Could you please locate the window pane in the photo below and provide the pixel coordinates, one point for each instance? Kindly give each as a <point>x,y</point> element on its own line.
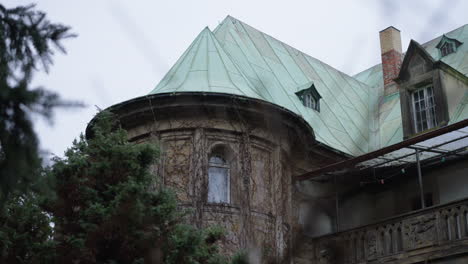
<point>309,101</point>
<point>217,160</point>
<point>429,90</point>
<point>423,105</point>
<point>424,109</point>
<point>218,185</point>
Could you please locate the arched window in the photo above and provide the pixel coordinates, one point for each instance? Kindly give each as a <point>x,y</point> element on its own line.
<point>218,178</point>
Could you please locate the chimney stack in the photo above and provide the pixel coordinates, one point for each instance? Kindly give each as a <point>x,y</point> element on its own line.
<point>390,46</point>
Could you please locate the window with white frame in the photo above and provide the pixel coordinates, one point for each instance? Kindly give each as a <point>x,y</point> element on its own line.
<point>424,109</point>
<point>218,179</point>
<point>447,48</point>
<point>310,101</point>
<point>309,97</point>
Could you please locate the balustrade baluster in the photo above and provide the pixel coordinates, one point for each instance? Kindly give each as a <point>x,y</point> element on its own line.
<point>463,222</point>
<point>452,227</point>
<point>443,226</point>
<point>382,243</point>
<point>399,240</point>
<point>355,249</point>
<point>388,241</point>
<point>457,226</point>
<point>363,247</point>
<point>393,244</point>
<point>409,233</point>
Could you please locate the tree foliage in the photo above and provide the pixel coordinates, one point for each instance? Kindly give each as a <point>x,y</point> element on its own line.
<point>27,41</point>
<point>104,206</point>
<point>25,231</point>
<point>109,208</point>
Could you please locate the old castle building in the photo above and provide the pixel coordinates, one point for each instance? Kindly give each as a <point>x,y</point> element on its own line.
<point>299,161</point>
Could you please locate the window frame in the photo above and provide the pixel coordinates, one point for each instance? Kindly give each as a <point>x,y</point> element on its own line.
<point>310,101</point>
<point>225,166</point>
<point>310,98</point>
<point>447,48</point>
<point>423,102</point>
<point>409,82</point>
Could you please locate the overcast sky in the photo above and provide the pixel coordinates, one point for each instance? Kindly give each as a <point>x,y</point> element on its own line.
<point>124,48</point>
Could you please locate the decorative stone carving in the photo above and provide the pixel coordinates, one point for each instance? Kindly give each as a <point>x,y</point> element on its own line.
<point>372,245</point>
<point>420,232</point>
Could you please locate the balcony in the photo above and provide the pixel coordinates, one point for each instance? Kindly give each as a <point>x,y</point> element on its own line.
<point>431,233</point>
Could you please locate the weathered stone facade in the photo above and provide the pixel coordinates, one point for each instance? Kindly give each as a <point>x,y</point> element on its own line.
<point>438,234</point>
<point>235,97</point>
<point>260,140</point>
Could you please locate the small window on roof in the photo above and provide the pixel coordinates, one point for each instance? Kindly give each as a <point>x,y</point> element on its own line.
<point>447,48</point>
<point>448,45</point>
<point>310,98</point>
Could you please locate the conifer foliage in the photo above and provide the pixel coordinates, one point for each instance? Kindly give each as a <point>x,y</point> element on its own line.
<point>109,207</point>
<point>26,234</point>
<point>27,42</point>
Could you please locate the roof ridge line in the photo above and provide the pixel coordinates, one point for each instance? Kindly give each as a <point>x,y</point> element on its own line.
<point>178,62</point>
<point>284,43</point>
<point>220,49</point>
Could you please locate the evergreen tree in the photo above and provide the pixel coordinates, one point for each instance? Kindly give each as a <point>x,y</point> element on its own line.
<point>109,209</point>
<point>25,231</point>
<point>27,42</point>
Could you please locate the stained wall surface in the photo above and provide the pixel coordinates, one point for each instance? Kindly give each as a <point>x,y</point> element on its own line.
<point>258,216</point>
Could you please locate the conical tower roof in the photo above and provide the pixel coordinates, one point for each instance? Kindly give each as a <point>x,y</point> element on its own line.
<point>206,67</point>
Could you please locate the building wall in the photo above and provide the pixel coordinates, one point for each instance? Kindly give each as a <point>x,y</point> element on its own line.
<point>257,216</point>
<point>452,182</point>
<point>260,216</point>
<point>455,90</point>
<point>446,183</point>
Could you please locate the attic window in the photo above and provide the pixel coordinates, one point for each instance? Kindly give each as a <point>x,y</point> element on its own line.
<point>424,109</point>
<point>448,45</point>
<point>447,48</point>
<point>310,98</point>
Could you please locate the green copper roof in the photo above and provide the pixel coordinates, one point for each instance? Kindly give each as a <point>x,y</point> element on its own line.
<point>205,67</point>
<point>388,113</point>
<point>355,117</point>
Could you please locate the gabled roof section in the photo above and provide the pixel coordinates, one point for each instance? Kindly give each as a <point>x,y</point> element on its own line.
<point>387,114</point>
<point>457,60</point>
<point>205,67</point>
<point>343,122</point>
<point>413,49</point>
<point>355,118</point>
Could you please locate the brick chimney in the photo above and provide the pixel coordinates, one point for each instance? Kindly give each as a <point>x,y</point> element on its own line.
<point>390,47</point>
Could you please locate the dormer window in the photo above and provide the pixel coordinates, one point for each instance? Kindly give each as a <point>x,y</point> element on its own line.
<point>424,109</point>
<point>422,89</point>
<point>448,45</point>
<point>447,48</point>
<point>310,98</point>
<point>310,101</point>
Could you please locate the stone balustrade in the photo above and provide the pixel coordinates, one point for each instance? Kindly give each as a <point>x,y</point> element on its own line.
<point>426,234</point>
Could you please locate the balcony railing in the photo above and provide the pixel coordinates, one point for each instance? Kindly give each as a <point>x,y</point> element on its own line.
<point>425,234</point>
